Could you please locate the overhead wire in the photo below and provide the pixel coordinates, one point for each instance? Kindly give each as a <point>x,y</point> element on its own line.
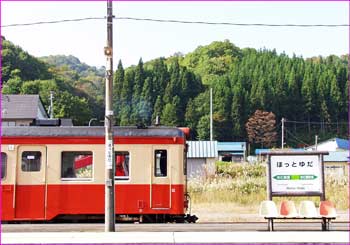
<point>296,138</point>
<point>177,21</point>
<point>231,23</point>
<point>52,22</point>
<point>313,122</point>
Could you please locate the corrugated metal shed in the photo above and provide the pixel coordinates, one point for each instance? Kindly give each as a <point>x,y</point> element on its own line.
<point>202,149</point>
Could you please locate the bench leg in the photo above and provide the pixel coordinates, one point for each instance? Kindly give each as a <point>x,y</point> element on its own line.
<point>325,224</point>
<point>328,224</point>
<point>270,224</point>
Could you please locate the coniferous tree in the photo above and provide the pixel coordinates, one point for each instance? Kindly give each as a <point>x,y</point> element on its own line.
<point>117,90</point>
<point>145,102</point>
<point>203,128</point>
<point>170,113</point>
<point>126,96</point>
<point>135,117</point>
<point>158,108</point>
<point>222,101</point>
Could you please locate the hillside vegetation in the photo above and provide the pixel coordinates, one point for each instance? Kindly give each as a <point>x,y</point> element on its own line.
<point>177,90</point>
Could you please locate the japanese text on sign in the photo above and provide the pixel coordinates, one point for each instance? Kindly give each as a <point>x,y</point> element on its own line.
<point>294,164</point>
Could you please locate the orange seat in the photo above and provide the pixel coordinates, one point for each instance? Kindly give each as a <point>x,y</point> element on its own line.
<point>288,209</point>
<point>327,209</point>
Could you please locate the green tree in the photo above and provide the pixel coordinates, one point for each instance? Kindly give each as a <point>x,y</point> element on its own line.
<point>203,128</point>
<point>117,90</point>
<point>136,96</point>
<point>222,101</point>
<point>158,108</point>
<point>126,95</point>
<point>169,115</point>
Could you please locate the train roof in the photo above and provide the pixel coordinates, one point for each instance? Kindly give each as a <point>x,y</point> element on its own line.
<point>27,131</point>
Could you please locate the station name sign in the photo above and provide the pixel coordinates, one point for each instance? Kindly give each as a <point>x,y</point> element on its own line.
<point>296,173</point>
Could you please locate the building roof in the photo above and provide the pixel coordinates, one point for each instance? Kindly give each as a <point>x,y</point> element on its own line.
<point>337,156</point>
<point>338,143</point>
<point>202,149</point>
<point>264,151</point>
<point>17,106</point>
<point>342,143</point>
<point>231,146</point>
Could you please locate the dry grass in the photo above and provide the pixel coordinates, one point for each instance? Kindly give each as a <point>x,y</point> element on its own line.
<point>235,192</point>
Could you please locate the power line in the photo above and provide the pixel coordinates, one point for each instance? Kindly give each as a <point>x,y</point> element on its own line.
<point>324,123</point>
<point>52,22</point>
<point>295,138</point>
<point>179,22</point>
<point>231,23</point>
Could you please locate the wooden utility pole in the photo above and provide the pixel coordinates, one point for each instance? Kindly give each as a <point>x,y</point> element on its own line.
<point>282,144</point>
<point>211,114</point>
<point>109,144</point>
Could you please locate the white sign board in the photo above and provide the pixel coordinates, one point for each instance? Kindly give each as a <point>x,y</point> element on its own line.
<point>296,173</point>
<point>109,154</point>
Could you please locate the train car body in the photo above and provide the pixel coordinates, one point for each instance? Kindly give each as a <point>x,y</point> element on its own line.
<point>57,172</point>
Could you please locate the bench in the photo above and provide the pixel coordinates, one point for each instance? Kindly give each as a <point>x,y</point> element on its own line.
<point>307,211</point>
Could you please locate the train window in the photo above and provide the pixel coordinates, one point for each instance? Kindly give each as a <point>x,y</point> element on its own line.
<point>122,160</point>
<point>76,165</point>
<point>31,161</point>
<point>3,164</point>
<point>160,169</point>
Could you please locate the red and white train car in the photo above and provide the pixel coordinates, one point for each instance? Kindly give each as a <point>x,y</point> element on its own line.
<point>59,172</point>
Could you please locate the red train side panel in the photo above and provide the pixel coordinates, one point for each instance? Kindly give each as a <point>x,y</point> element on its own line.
<point>87,199</point>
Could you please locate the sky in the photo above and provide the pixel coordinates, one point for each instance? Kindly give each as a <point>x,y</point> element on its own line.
<point>149,40</point>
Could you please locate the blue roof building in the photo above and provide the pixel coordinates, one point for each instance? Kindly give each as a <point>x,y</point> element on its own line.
<point>334,144</point>
<point>232,151</point>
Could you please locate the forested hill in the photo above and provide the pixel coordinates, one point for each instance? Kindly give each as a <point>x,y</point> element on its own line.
<point>311,92</point>
<point>77,95</point>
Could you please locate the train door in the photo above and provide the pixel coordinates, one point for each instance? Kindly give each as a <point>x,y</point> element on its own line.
<point>160,179</point>
<point>30,187</point>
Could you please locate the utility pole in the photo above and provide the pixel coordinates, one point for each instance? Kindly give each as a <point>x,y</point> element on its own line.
<point>51,104</point>
<point>282,132</point>
<point>211,114</point>
<point>316,139</point>
<point>109,144</point>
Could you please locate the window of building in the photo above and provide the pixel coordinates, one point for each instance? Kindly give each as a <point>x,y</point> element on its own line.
<point>3,164</point>
<point>31,161</point>
<point>160,160</point>
<point>122,160</point>
<point>77,165</point>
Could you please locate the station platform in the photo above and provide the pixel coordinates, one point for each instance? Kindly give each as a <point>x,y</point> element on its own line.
<point>341,237</point>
